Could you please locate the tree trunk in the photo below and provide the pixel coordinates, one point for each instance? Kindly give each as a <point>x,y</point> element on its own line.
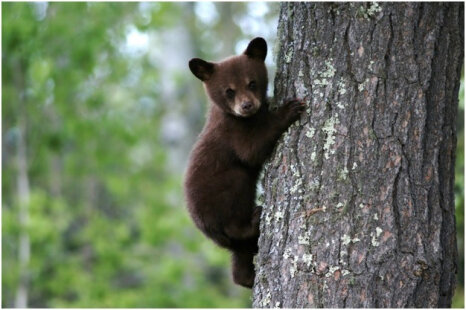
<point>23,190</point>
<point>358,202</point>
<point>24,246</point>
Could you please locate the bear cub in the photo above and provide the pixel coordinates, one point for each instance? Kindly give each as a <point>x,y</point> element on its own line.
<point>224,165</point>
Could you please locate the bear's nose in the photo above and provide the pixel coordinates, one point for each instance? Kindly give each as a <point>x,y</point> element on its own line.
<point>246,106</point>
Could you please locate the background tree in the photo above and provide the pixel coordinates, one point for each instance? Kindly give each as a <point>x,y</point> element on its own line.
<point>359,208</point>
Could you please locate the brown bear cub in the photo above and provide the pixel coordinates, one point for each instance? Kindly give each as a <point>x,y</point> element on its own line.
<point>240,133</point>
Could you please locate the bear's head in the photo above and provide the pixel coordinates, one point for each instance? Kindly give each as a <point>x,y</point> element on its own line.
<point>238,85</point>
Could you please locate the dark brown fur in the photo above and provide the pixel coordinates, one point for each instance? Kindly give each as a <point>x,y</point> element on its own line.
<point>240,133</point>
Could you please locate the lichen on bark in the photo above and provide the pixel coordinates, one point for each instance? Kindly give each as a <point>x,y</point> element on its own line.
<point>358,195</point>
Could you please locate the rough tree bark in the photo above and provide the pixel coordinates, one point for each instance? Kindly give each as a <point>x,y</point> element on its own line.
<point>358,202</point>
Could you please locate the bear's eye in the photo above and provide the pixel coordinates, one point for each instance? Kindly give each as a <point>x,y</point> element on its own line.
<point>230,93</point>
<point>252,85</point>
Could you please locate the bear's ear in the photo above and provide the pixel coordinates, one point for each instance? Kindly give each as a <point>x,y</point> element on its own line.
<point>201,69</point>
<point>257,48</point>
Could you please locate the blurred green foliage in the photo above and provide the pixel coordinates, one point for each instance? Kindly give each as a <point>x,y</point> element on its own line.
<point>458,299</point>
<point>107,222</point>
<point>98,87</point>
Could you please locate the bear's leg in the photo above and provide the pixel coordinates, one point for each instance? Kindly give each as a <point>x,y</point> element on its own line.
<point>243,227</point>
<point>243,268</point>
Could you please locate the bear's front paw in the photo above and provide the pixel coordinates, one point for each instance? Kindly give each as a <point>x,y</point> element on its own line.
<point>291,109</point>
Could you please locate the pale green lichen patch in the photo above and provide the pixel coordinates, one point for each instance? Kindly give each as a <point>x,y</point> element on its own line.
<point>343,174</point>
<point>345,272</point>
<point>361,87</point>
<point>378,231</point>
<point>307,259</point>
<point>340,205</point>
<point>322,82</point>
<point>313,156</point>
<point>345,240</point>
<point>325,287</point>
<point>310,132</point>
<point>266,300</point>
<point>331,271</point>
<point>374,8</point>
<point>339,105</point>
<point>343,254</point>
<point>330,130</point>
<point>278,216</point>
<point>374,241</point>
<point>287,253</point>
<point>324,76</point>
<point>268,218</point>
<point>341,87</point>
<point>294,267</point>
<point>329,70</point>
<point>294,170</point>
<point>297,187</point>
<point>369,12</point>
<point>289,55</point>
<point>304,239</point>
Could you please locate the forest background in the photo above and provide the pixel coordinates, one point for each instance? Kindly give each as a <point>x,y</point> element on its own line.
<point>102,97</point>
